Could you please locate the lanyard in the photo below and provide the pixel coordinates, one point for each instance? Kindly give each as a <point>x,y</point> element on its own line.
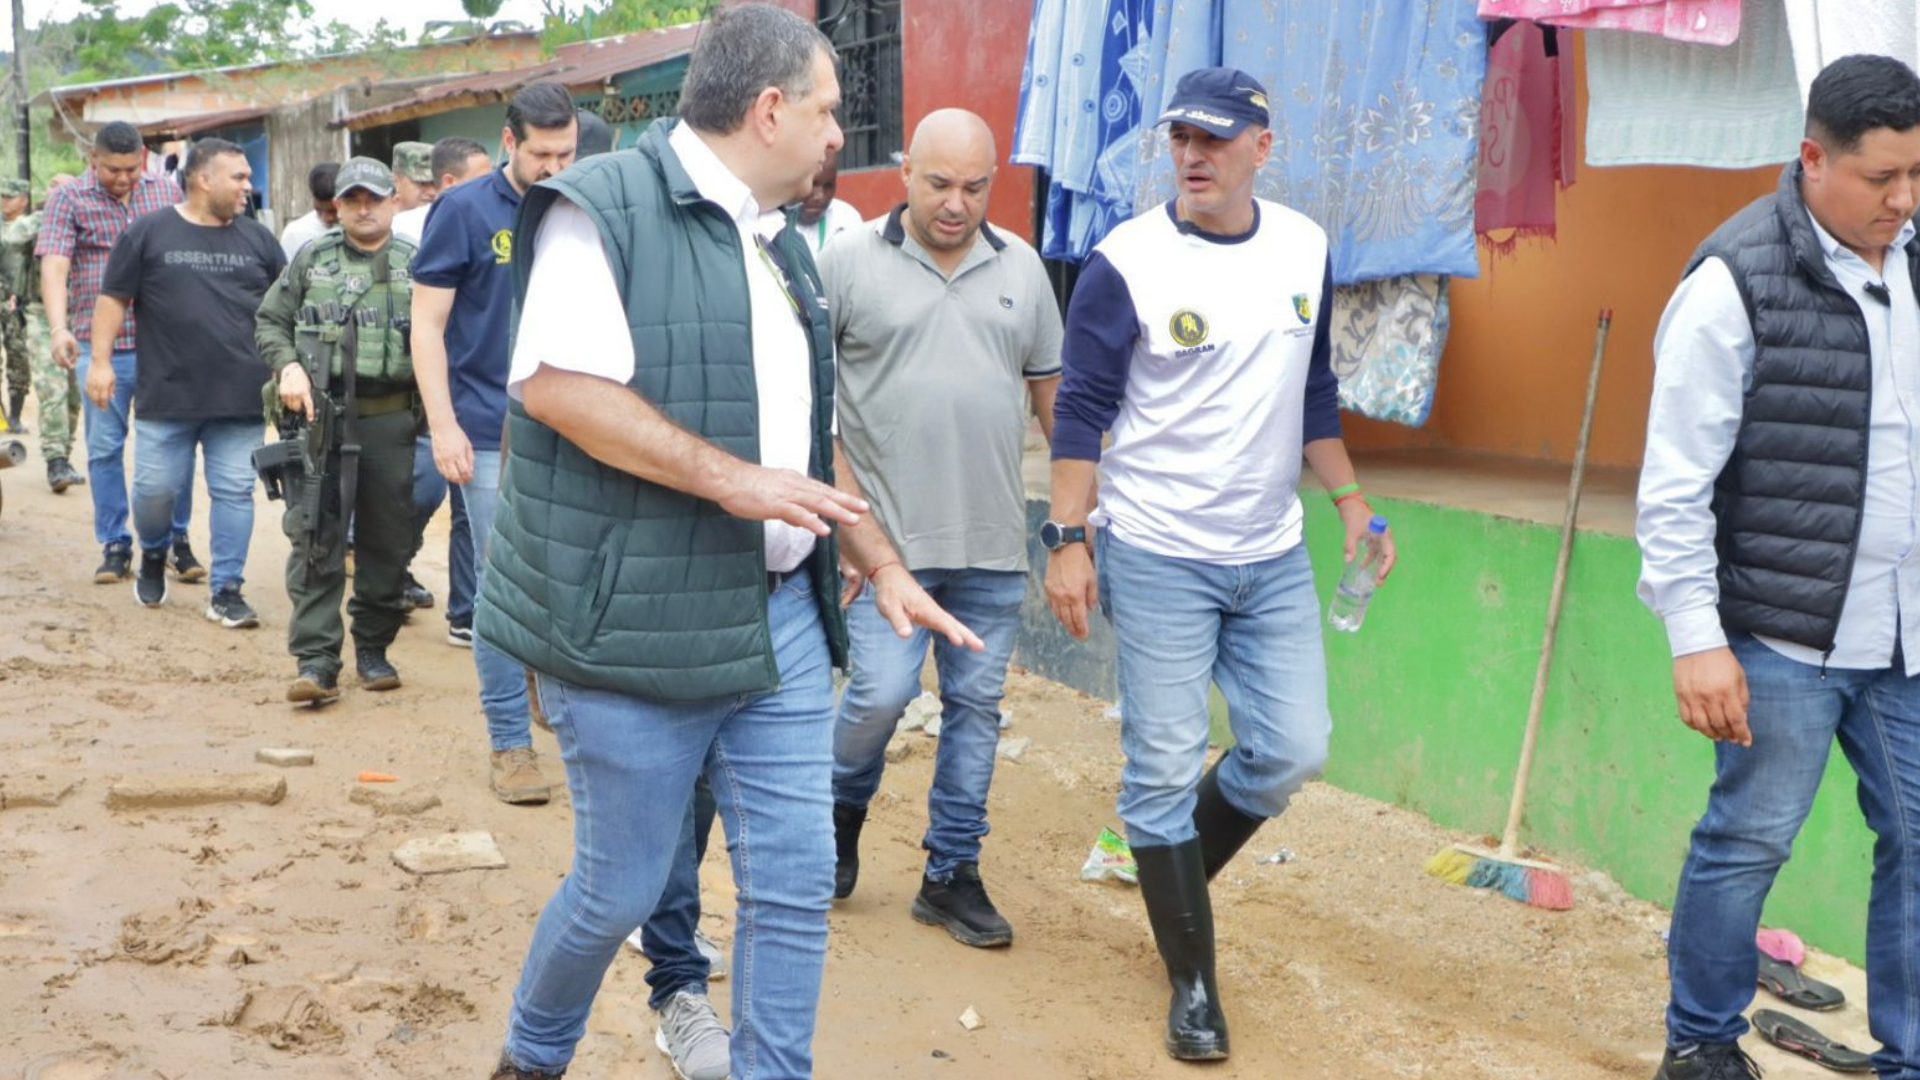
<point>786,284</point>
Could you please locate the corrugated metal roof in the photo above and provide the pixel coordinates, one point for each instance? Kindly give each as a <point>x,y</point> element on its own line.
<point>584,65</point>
<point>181,127</point>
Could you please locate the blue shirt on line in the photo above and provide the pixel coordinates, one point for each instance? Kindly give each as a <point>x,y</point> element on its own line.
<point>467,246</point>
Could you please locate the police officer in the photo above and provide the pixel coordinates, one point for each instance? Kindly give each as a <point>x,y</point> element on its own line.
<point>334,331</point>
<point>25,325</point>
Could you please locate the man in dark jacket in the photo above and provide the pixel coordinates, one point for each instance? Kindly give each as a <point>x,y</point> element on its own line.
<point>663,557</point>
<point>1777,535</point>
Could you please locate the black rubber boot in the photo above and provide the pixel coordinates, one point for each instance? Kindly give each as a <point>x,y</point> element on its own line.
<point>846,848</point>
<point>15,403</point>
<point>1223,829</point>
<point>1173,882</point>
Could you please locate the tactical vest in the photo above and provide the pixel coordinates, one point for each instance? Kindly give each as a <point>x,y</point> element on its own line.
<point>342,282</point>
<point>19,270</point>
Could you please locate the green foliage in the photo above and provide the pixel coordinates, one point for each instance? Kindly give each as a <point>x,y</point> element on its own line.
<point>564,24</point>
<point>480,10</point>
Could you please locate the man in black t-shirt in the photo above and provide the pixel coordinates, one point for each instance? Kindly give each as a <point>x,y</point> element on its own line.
<point>197,273</point>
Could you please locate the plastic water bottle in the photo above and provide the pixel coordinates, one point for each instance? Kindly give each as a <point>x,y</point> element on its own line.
<point>1358,581</point>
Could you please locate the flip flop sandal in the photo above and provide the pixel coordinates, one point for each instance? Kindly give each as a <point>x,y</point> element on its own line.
<point>1785,982</point>
<point>1795,1037</point>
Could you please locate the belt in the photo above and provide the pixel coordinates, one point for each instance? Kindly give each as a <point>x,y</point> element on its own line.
<point>776,578</point>
<point>385,403</point>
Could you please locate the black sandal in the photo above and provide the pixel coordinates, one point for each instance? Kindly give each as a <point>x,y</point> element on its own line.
<point>1785,982</point>
<point>1795,1037</point>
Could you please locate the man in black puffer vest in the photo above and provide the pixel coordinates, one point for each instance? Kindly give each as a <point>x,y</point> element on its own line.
<point>1779,533</point>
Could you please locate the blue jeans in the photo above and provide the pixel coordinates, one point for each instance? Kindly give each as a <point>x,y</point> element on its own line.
<point>886,676</point>
<point>1761,795</point>
<point>667,935</point>
<point>1252,629</point>
<point>631,765</point>
<point>163,468</point>
<point>430,489</point>
<point>106,454</point>
<point>503,682</point>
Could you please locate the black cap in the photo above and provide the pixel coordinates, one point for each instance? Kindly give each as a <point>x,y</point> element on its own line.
<point>1223,101</point>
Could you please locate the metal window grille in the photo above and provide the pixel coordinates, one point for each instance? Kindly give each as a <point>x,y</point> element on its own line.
<point>866,34</point>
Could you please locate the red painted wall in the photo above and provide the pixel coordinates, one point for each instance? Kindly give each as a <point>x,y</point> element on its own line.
<point>966,55</point>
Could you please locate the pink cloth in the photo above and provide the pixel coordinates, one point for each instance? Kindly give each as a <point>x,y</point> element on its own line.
<point>1699,22</point>
<point>1783,945</point>
<point>1525,149</point>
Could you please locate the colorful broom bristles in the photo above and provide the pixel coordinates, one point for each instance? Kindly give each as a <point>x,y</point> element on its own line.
<point>1533,885</point>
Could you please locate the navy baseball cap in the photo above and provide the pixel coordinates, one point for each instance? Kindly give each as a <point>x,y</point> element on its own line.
<point>1222,101</point>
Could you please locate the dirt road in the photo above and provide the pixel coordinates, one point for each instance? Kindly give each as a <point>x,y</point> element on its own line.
<point>253,940</point>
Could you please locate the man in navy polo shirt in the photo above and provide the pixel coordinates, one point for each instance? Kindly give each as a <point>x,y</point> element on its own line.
<point>462,302</point>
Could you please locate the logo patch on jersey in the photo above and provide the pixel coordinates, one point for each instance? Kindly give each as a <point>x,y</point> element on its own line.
<point>1302,307</point>
<point>503,247</point>
<point>355,283</point>
<point>1188,327</point>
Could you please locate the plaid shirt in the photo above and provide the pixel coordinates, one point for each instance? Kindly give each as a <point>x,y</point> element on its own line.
<point>81,222</point>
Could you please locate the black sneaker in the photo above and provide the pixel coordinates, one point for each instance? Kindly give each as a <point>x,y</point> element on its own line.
<point>118,564</point>
<point>460,634</point>
<point>61,475</point>
<point>184,565</point>
<point>227,608</point>
<point>314,685</point>
<point>415,595</point>
<point>375,672</point>
<point>961,905</point>
<point>1708,1061</point>
<point>150,585</point>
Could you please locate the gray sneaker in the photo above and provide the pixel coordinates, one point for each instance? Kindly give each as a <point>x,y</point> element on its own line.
<point>691,1036</point>
<point>715,955</point>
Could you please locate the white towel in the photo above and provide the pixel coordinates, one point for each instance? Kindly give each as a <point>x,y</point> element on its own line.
<point>1826,30</point>
<point>1651,101</point>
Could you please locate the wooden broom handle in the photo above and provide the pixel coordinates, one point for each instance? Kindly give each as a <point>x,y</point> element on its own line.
<point>1510,839</point>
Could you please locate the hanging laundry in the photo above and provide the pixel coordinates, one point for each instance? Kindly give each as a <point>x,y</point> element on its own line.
<point>1698,22</point>
<point>1079,115</point>
<point>1387,338</point>
<point>1376,124</point>
<point>1823,31</point>
<point>1525,147</point>
<point>1657,102</point>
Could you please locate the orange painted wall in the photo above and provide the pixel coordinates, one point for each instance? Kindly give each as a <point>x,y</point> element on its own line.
<point>965,55</point>
<point>1513,378</point>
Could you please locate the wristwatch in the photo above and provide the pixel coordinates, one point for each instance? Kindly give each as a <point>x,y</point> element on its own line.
<point>1056,536</point>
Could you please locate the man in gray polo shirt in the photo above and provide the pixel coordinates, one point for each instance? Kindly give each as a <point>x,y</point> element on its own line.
<point>944,326</point>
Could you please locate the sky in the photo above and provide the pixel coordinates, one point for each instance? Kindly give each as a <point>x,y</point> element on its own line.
<point>358,13</point>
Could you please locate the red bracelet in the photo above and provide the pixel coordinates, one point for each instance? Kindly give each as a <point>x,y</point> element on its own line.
<point>1350,495</point>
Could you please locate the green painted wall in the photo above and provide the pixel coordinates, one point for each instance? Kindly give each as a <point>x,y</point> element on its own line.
<point>1430,697</point>
<point>481,123</point>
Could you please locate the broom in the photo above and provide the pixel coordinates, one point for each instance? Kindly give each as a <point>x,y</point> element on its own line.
<point>1501,869</point>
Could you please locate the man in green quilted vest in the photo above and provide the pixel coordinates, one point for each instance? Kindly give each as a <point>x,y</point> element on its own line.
<point>663,557</point>
<point>349,287</point>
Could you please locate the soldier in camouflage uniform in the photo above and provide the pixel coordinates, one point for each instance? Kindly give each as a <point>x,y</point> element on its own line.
<point>349,288</point>
<point>414,184</point>
<point>29,352</point>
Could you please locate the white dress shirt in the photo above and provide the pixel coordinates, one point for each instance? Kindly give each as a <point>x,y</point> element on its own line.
<point>411,223</point>
<point>838,218</point>
<point>572,319</point>
<point>302,231</point>
<point>1703,355</point>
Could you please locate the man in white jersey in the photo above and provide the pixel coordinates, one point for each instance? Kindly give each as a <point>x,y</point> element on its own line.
<point>1197,336</point>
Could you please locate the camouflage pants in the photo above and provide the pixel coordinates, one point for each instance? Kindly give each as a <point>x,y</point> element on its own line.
<point>19,371</point>
<point>54,387</point>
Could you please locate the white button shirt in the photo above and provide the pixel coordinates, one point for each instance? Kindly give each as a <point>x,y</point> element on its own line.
<point>1703,355</point>
<point>572,320</point>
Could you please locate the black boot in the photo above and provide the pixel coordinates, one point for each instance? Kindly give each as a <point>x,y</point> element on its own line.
<point>15,403</point>
<point>1173,882</point>
<point>846,848</point>
<point>1223,829</point>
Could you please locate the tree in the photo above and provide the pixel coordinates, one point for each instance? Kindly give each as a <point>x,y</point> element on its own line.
<point>564,24</point>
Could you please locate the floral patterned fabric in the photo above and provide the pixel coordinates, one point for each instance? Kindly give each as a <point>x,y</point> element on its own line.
<point>1376,119</point>
<point>1387,338</point>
